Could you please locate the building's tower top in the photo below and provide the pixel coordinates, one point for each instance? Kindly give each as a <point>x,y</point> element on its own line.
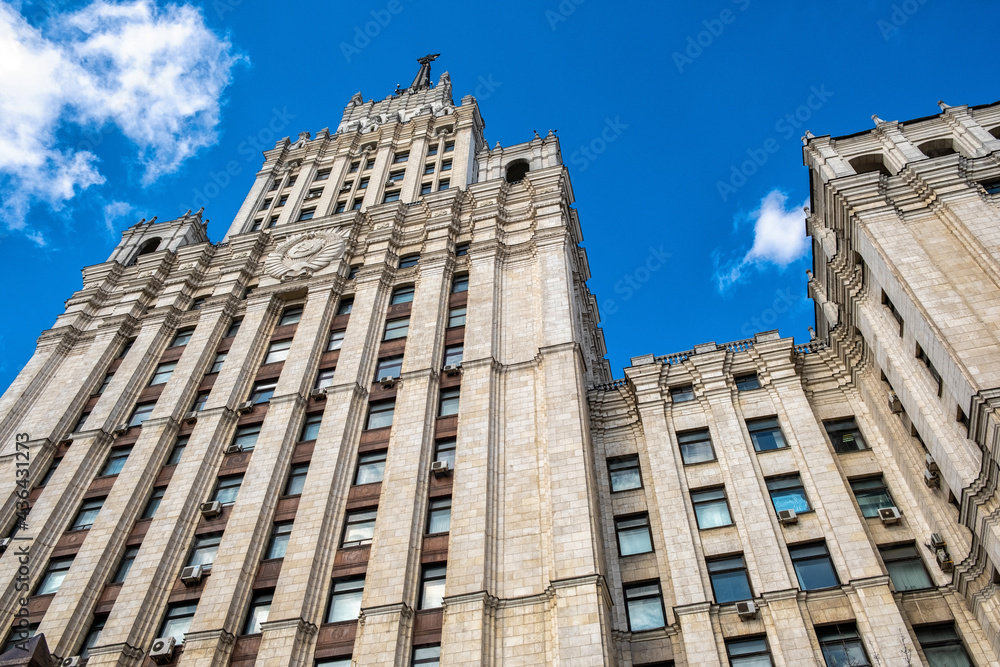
<point>423,79</point>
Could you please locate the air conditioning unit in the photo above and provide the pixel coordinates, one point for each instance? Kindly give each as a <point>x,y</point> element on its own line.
<point>191,417</point>
<point>162,650</point>
<point>894,403</point>
<point>451,369</point>
<point>245,407</point>
<point>788,517</point>
<point>944,561</point>
<point>4,543</point>
<point>440,469</point>
<point>387,381</point>
<point>192,574</point>
<point>746,609</point>
<point>313,195</point>
<point>346,188</point>
<point>318,393</point>
<point>391,181</point>
<point>931,479</point>
<point>930,463</point>
<point>211,509</point>
<point>889,515</point>
<point>72,661</point>
<point>937,541</point>
<point>120,429</point>
<point>234,449</point>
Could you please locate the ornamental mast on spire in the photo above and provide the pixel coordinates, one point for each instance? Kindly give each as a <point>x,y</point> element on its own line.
<point>423,79</point>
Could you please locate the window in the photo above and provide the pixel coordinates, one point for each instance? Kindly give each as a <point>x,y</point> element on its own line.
<point>432,586</point>
<point>711,508</point>
<point>278,544</point>
<point>371,467</point>
<point>345,600</point>
<point>922,356</point>
<point>205,549</point>
<point>380,414</point>
<point>460,284</point>
<point>19,634</point>
<point>397,328</point>
<point>272,221</point>
<point>125,564</point>
<point>352,273</point>
<point>227,489</point>
<point>80,422</point>
<point>104,384</point>
<point>729,579</point>
<point>359,528</point>
<point>89,509</point>
<point>444,450</point>
<point>291,181</point>
<point>446,165</point>
<point>234,327</point>
<point>335,341</point>
<point>310,427</point>
<point>449,147</point>
<point>200,400</point>
<point>906,569</point>
<point>942,646</point>
<point>290,315</point>
<point>163,373</point>
<point>257,225</point>
<point>748,652</point>
<point>307,214</point>
<point>439,516</point>
<point>266,204</point>
<point>396,176</point>
<point>116,461</point>
<point>887,302</point>
<point>841,646</point>
<point>406,261</point>
<point>296,479</point>
<point>198,303</point>
<point>766,434</point>
<point>125,348</point>
<point>402,295</point>
<point>333,662</point>
<point>696,447</point>
<point>401,157</point>
<point>48,473</point>
<point>644,606</point>
<point>356,204</point>
<point>341,207</point>
<point>872,495</point>
<point>426,188</point>
<point>429,168</point>
<point>461,249</point>
<point>178,620</point>
<point>220,359</point>
<point>624,473</point>
<point>354,167</point>
<point>369,164</point>
<point>747,382</point>
<point>426,655</point>
<point>178,451</point>
<point>813,566</point>
<point>363,184</point>
<point>54,575</point>
<point>389,367</point>
<point>260,607</point>
<point>262,392</point>
<point>284,198</point>
<point>453,355</point>
<point>444,184</point>
<point>277,351</point>
<point>787,494</point>
<point>324,378</point>
<point>154,502</point>
<point>456,317</point>
<point>844,435</point>
<point>246,436</point>
<point>345,306</point>
<point>682,394</point>
<point>432,150</point>
<point>633,535</point>
<point>181,338</point>
<point>448,402</point>
<point>391,196</point>
<point>324,174</point>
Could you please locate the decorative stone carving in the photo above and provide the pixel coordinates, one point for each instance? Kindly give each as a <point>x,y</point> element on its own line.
<point>305,254</point>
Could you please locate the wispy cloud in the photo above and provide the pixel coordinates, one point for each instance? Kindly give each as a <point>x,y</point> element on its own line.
<point>154,75</point>
<point>779,240</point>
<point>112,212</point>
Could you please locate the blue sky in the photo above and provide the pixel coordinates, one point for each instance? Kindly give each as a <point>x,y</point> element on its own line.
<point>111,112</point>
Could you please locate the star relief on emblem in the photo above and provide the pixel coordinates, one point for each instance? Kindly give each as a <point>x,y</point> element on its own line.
<point>305,254</point>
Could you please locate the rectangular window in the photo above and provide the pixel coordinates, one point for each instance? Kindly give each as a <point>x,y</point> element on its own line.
<point>205,549</point>
<point>887,302</point>
<point>747,382</point>
<point>125,348</point>
<point>89,509</point>
<point>444,184</point>
<point>200,399</point>
<point>48,473</point>
<point>81,421</point>
<point>395,176</point>
<point>748,652</point>
<point>841,646</point>
<point>345,599</point>
<point>644,606</point>
<point>369,164</point>
<point>198,303</point>
<point>682,394</point>
<point>371,467</point>
<point>926,361</point>
<point>278,545</point>
<point>787,494</point>
<point>461,249</point>
<point>125,564</point>
<point>439,516</point>
<point>401,157</point>
<point>359,528</point>
<point>354,167</point>
<point>356,204</point>
<point>391,196</point>
<point>272,221</point>
<point>163,373</point>
<point>406,261</point>
<point>456,317</point>
<point>116,461</point>
<point>460,284</point>
<point>380,414</point>
<point>427,656</point>
<point>402,294</point>
<point>711,508</point>
<point>154,502</point>
<point>397,328</point>
<point>448,402</point>
<point>266,204</point>
<point>182,338</point>
<point>341,207</point>
<point>633,535</point>
<point>19,634</point>
<point>345,306</point>
<point>766,434</point>
<point>446,165</point>
<point>729,579</point>
<point>324,378</point>
<point>844,435</point>
<point>277,351</point>
<point>432,586</point>
<point>234,326</point>
<point>432,150</point>
<point>905,567</point>
<point>453,355</point>
<point>336,340</point>
<point>284,198</point>
<point>624,473</point>
<point>426,188</point>
<point>246,436</point>
<point>290,315</point>
<point>389,367</point>
<point>262,392</point>
<point>178,451</point>
<point>942,646</point>
<point>307,214</point>
<point>872,495</point>
<point>54,575</point>
<point>220,359</point>
<point>178,620</point>
<point>449,147</point>
<point>813,566</point>
<point>363,183</point>
<point>104,384</point>
<point>429,168</point>
<point>260,608</point>
<point>696,447</point>
<point>310,427</point>
<point>444,450</point>
<point>227,488</point>
<point>324,174</point>
<point>296,479</point>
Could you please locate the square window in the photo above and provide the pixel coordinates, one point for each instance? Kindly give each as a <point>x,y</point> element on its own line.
<point>277,351</point>
<point>125,564</point>
<point>220,358</point>
<point>461,249</point>
<point>234,326</point>
<point>426,188</point>
<point>290,315</point>
<point>748,652</point>
<point>371,467</point>
<point>272,221</point>
<point>178,620</point>
<point>345,600</point>
<point>341,207</point>
<point>181,338</point>
<point>369,164</point>
<point>446,165</point>
<point>153,503</point>
<point>93,636</point>
<point>624,473</point>
<point>460,284</point>
<point>448,402</point>
<point>260,608</point>
<point>396,328</point>
<point>402,294</point>
<point>125,348</point>
<point>278,544</point>
<point>178,451</point>
<point>449,147</point>
<point>432,150</point>
<point>766,434</point>
<point>19,634</point>
<point>104,384</point>
<point>352,273</point>
<point>380,414</point>
<point>456,317</point>
<point>813,566</point>
<point>48,473</point>
<point>291,181</point>
<point>396,176</point>
<point>336,340</point>
<point>401,157</point>
<point>307,214</point>
<point>324,378</point>
<point>163,373</point>
<point>682,394</point>
<point>845,435</point>
<point>444,184</point>
<point>266,204</point>
<point>729,579</point>
<point>356,204</point>
<point>283,200</point>
<point>633,535</point>
<point>432,586</point>
<point>262,392</point>
<point>406,261</point>
<point>391,196</point>
<point>841,645</point>
<point>389,367</point>
<point>787,494</point>
<point>428,168</point>
<point>296,479</point>
<point>257,224</point>
<point>227,488</point>
<point>116,461</point>
<point>205,549</point>
<point>905,567</point>
<point>711,508</point>
<point>198,303</point>
<point>696,447</point>
<point>444,450</point>
<point>354,167</point>
<point>324,174</point>
<point>89,509</point>
<point>439,516</point>
<point>246,437</point>
<point>453,355</point>
<point>345,306</point>
<point>54,575</point>
<point>310,427</point>
<point>81,421</point>
<point>359,528</point>
<point>747,382</point>
<point>644,606</point>
<point>942,646</point>
<point>887,302</point>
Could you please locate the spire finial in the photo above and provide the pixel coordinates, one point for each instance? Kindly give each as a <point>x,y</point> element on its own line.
<point>943,105</point>
<point>423,78</point>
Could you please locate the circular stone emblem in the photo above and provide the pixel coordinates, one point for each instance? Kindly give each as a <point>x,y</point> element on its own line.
<point>305,254</point>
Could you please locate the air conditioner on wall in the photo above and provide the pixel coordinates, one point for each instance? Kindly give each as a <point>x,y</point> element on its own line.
<point>72,661</point>
<point>211,509</point>
<point>894,403</point>
<point>244,407</point>
<point>746,609</point>
<point>192,574</point>
<point>788,517</point>
<point>451,369</point>
<point>931,479</point>
<point>190,417</point>
<point>944,561</point>
<point>387,381</point>
<point>889,515</point>
<point>162,650</point>
<point>440,468</point>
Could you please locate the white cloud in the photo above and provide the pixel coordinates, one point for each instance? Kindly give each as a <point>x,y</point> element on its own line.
<point>114,211</point>
<point>154,75</point>
<point>779,239</point>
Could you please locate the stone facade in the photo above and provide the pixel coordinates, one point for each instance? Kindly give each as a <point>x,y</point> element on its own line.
<point>389,375</point>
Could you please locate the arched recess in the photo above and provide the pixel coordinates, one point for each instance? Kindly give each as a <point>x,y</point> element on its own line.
<point>146,247</point>
<point>864,164</point>
<point>937,148</point>
<point>517,170</point>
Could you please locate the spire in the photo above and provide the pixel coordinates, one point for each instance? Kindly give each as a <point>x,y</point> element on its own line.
<point>423,78</point>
